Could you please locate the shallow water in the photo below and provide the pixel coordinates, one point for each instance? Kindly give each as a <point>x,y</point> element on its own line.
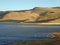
<point>13,32</point>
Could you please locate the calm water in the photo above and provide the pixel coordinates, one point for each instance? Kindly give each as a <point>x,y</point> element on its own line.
<point>13,32</point>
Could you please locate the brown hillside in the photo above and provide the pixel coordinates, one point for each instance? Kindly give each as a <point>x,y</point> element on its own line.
<point>40,15</point>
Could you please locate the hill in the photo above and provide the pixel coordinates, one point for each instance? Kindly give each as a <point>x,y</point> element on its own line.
<point>35,15</point>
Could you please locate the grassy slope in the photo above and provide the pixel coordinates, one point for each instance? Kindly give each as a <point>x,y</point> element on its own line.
<point>40,15</point>
<point>55,21</point>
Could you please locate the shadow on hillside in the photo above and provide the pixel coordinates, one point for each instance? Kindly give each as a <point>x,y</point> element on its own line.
<point>3,13</point>
<point>43,21</point>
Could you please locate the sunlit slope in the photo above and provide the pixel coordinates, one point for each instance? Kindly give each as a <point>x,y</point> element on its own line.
<point>36,15</point>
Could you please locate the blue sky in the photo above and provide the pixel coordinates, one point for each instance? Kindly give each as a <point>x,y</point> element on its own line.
<point>27,4</point>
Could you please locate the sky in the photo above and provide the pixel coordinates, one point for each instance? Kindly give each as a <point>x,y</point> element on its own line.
<point>27,4</point>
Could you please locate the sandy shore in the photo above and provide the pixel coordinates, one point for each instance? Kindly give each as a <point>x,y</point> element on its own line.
<point>38,42</point>
<point>57,34</point>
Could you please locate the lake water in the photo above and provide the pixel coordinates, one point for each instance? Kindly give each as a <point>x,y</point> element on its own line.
<point>15,32</point>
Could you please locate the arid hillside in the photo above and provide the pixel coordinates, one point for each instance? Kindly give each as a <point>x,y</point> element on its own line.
<point>35,15</point>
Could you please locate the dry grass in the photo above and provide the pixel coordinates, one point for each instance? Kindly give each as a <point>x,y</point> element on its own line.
<point>40,15</point>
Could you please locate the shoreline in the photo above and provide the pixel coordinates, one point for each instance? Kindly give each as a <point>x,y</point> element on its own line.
<point>57,34</point>
<point>52,41</point>
<point>38,42</point>
<point>38,24</point>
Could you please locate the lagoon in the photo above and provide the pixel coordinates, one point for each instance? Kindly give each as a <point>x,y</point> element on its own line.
<point>17,32</point>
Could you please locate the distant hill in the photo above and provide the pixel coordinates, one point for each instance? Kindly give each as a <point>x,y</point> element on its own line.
<point>35,15</point>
